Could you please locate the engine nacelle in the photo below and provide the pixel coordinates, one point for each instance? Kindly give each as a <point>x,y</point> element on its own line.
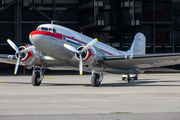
<point>29,58</point>
<point>88,56</point>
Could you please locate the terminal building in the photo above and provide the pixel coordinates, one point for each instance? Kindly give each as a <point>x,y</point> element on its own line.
<point>114,22</point>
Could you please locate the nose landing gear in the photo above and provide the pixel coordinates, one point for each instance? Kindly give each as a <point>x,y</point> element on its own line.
<point>97,77</point>
<point>37,76</point>
<point>36,79</point>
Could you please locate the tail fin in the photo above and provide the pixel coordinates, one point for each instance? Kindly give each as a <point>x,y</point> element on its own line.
<point>139,45</point>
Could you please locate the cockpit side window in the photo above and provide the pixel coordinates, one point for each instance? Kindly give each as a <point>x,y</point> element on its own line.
<point>54,31</point>
<point>50,30</point>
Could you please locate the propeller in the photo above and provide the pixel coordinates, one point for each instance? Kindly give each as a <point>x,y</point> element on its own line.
<point>71,48</point>
<point>80,65</point>
<point>89,45</point>
<point>27,49</point>
<point>17,65</point>
<point>18,53</point>
<point>13,45</point>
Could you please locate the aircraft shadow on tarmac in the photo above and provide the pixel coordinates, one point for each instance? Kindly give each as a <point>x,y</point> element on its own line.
<point>136,83</point>
<point>140,82</point>
<point>10,72</point>
<point>133,83</point>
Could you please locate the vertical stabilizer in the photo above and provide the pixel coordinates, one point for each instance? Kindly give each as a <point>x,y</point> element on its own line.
<point>139,45</point>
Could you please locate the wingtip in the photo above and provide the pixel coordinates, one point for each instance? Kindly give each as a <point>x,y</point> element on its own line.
<point>64,44</point>
<point>80,73</point>
<point>96,39</point>
<point>15,73</point>
<point>8,40</point>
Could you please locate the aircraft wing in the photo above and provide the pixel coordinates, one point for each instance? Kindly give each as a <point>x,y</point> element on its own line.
<point>127,62</point>
<point>9,59</point>
<point>47,61</point>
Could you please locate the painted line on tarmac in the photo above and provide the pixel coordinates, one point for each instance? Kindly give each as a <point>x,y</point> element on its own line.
<point>2,81</point>
<point>49,78</point>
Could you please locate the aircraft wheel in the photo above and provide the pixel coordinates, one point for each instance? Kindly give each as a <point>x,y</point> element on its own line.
<point>136,77</point>
<point>128,79</point>
<point>95,80</point>
<point>36,79</point>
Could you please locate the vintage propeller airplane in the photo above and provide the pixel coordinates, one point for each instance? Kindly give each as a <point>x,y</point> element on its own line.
<point>55,45</point>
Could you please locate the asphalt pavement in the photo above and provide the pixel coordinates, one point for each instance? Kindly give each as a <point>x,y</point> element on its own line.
<point>67,96</point>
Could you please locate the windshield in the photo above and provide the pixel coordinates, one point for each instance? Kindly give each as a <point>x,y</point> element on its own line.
<point>46,29</point>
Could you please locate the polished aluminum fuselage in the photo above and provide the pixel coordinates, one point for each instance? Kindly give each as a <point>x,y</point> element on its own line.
<point>51,44</point>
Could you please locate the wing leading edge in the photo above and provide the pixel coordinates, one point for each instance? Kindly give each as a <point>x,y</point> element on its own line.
<point>9,59</point>
<point>46,61</point>
<point>127,62</point>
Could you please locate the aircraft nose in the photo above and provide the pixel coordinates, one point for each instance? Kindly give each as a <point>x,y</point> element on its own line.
<point>34,37</point>
<point>38,39</point>
<point>31,37</point>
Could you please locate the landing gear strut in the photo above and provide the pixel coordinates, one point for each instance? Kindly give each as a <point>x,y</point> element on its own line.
<point>37,76</point>
<point>136,77</point>
<point>97,77</point>
<point>128,78</point>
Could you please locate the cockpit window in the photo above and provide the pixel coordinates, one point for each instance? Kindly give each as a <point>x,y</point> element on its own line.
<point>38,28</point>
<point>44,29</point>
<point>47,29</point>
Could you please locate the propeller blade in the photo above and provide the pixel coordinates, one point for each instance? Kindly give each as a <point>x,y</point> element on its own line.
<point>80,65</point>
<point>89,45</point>
<point>27,49</point>
<point>13,45</point>
<point>70,48</point>
<point>17,65</point>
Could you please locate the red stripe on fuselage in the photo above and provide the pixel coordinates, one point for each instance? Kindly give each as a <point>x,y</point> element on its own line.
<point>59,36</point>
<point>75,40</point>
<point>106,52</point>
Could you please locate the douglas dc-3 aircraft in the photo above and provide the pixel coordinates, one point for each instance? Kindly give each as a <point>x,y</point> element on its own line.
<point>55,45</point>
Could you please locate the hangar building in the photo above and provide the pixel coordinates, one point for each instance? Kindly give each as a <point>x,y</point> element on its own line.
<point>114,22</point>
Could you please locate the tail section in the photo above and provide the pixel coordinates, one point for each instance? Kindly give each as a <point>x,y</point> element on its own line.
<point>139,45</point>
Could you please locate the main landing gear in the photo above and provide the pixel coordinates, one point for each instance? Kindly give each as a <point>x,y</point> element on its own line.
<point>97,76</point>
<point>129,77</point>
<point>37,76</point>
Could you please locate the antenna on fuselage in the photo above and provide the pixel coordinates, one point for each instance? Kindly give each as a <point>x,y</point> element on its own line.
<point>54,22</point>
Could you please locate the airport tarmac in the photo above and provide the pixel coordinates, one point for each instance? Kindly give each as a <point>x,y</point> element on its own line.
<point>71,97</point>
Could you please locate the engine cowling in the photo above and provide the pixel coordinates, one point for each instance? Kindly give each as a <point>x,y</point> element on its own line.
<point>88,56</point>
<point>29,58</point>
